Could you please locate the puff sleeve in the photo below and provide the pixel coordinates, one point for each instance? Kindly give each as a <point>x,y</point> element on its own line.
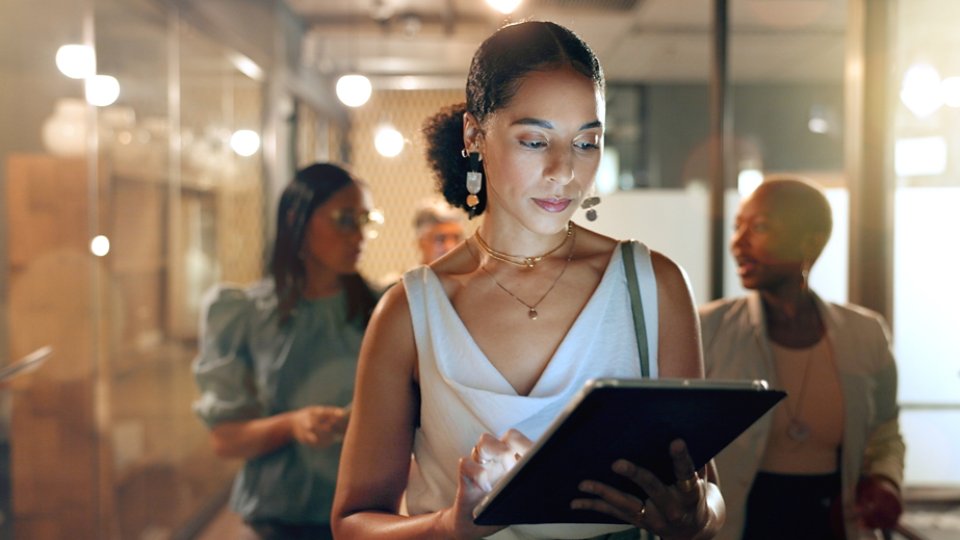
<point>224,370</point>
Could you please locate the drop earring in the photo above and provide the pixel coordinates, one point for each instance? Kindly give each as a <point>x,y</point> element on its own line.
<point>474,179</point>
<point>588,205</point>
<point>805,276</point>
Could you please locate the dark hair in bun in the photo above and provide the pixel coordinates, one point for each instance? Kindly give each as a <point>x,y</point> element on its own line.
<point>496,72</point>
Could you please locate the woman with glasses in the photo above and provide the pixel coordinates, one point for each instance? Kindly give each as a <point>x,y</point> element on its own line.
<point>277,360</point>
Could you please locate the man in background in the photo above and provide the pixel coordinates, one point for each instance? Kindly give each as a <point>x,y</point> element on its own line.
<point>439,228</point>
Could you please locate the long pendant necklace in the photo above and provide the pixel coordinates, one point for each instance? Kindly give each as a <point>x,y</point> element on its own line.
<point>532,308</point>
<point>519,260</point>
<point>797,429</point>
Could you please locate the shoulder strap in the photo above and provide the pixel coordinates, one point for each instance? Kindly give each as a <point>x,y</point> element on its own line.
<point>636,305</point>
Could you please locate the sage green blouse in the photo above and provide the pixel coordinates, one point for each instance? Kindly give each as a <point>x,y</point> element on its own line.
<point>250,366</point>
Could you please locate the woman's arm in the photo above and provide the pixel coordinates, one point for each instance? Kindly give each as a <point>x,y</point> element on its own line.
<point>884,453</point>
<point>377,450</point>
<point>680,351</point>
<point>681,356</point>
<point>878,496</point>
<point>229,404</point>
<point>316,426</point>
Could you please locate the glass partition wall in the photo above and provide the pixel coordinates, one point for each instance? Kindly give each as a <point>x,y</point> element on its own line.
<point>48,421</point>
<point>126,193</point>
<point>924,82</point>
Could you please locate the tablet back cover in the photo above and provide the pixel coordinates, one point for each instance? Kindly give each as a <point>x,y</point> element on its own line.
<point>622,418</point>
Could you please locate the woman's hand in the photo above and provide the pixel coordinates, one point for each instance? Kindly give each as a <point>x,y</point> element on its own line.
<point>319,426</point>
<point>878,503</point>
<point>676,511</point>
<point>497,456</point>
<point>488,462</point>
<point>458,519</point>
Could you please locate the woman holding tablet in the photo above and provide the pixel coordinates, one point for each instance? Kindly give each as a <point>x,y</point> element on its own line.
<point>477,353</point>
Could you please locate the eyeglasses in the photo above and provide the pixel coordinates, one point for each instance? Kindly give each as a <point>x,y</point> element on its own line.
<point>441,239</point>
<point>348,221</point>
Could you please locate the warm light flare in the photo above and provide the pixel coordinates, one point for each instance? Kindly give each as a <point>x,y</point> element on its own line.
<point>921,91</point>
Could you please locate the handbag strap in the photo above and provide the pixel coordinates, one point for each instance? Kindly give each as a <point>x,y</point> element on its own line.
<point>636,306</point>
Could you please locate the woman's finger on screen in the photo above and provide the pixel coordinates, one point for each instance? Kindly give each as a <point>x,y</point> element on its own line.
<point>517,442</point>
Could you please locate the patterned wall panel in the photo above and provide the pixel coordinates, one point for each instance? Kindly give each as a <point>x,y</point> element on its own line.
<point>400,183</point>
<point>241,251</point>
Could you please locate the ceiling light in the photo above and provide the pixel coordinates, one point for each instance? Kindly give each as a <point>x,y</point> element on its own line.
<point>388,141</point>
<point>76,61</point>
<point>354,90</point>
<point>100,245</point>
<point>101,90</point>
<point>246,66</point>
<point>504,6</point>
<point>245,142</point>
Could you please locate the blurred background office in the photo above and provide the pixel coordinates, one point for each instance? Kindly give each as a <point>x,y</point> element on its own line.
<point>144,143</point>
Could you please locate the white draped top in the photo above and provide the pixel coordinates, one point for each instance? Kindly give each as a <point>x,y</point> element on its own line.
<point>463,395</point>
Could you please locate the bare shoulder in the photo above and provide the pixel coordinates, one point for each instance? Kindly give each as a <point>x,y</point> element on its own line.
<point>681,353</point>
<point>594,249</point>
<point>393,303</point>
<point>389,337</point>
<point>668,272</point>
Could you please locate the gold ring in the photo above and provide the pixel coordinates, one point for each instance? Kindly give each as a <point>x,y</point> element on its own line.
<point>688,485</point>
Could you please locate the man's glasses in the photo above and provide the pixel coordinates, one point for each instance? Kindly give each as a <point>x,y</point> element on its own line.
<point>441,239</point>
<point>349,221</point>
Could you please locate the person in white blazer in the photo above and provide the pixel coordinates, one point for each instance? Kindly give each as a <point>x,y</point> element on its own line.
<point>828,460</point>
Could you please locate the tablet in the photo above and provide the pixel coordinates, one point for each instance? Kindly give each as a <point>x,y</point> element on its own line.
<point>635,419</point>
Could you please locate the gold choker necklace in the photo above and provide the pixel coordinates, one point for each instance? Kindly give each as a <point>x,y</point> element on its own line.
<point>532,312</point>
<point>519,260</point>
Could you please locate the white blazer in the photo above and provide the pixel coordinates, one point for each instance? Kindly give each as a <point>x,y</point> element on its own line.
<point>736,347</point>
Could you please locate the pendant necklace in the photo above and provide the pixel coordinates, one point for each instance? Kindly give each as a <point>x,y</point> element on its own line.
<point>518,260</point>
<point>797,429</point>
<point>532,308</point>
